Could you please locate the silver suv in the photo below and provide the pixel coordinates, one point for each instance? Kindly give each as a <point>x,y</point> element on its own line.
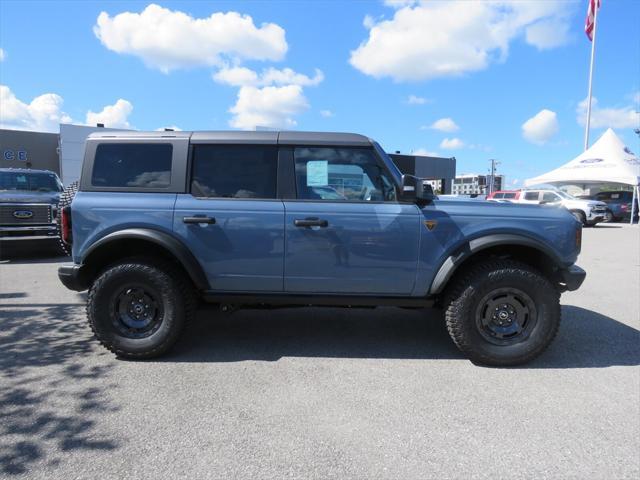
<point>588,212</point>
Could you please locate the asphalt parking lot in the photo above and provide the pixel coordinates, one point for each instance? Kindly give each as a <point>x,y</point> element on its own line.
<point>321,393</point>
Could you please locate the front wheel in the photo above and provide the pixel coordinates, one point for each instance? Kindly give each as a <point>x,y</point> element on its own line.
<point>138,310</point>
<point>502,313</point>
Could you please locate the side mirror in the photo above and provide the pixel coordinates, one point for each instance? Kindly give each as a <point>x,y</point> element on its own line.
<point>414,190</point>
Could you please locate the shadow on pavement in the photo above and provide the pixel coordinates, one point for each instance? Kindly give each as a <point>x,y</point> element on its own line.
<point>586,339</point>
<point>31,251</point>
<point>50,400</point>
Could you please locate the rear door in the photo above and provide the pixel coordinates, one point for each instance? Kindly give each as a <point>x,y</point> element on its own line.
<point>231,218</point>
<point>346,233</point>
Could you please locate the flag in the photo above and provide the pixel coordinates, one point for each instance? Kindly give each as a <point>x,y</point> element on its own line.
<point>589,22</point>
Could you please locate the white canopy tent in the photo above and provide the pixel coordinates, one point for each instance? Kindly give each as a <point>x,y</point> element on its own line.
<point>607,161</point>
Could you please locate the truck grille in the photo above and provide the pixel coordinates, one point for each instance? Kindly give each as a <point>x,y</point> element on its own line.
<point>25,214</point>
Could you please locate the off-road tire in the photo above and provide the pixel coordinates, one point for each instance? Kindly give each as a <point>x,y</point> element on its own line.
<point>66,197</point>
<point>462,304</point>
<point>580,216</point>
<point>176,304</point>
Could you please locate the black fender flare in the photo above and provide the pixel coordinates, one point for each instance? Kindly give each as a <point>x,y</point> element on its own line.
<point>174,246</point>
<point>453,261</point>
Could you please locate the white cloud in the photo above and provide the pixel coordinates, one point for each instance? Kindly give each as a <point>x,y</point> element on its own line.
<point>242,76</point>
<point>3,55</point>
<point>451,144</point>
<point>443,125</point>
<point>425,152</point>
<point>541,128</point>
<point>269,99</point>
<point>439,39</point>
<point>112,116</point>
<point>44,113</point>
<point>415,100</point>
<point>170,39</point>
<point>621,117</point>
<point>548,34</point>
<point>271,106</point>
<point>327,113</point>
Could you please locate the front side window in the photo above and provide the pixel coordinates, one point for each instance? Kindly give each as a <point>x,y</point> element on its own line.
<point>341,174</point>
<point>550,197</point>
<point>132,165</point>
<point>234,171</point>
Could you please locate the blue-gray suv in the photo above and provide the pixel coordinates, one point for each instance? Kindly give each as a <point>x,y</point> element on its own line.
<point>162,220</point>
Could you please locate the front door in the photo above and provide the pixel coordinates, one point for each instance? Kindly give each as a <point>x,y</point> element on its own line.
<point>231,219</point>
<point>346,233</point>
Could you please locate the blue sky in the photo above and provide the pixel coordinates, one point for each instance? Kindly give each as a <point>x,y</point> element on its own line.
<point>476,72</point>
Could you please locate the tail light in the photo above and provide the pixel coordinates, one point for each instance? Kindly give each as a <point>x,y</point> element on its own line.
<point>65,225</point>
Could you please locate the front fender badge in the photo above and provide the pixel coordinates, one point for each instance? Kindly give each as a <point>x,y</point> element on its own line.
<point>430,224</point>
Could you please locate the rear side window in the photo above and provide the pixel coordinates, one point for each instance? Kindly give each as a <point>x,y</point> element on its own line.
<point>499,195</point>
<point>132,165</point>
<point>234,171</point>
<point>531,196</point>
<point>509,195</point>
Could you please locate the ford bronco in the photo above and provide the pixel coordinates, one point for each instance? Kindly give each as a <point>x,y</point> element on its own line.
<point>162,220</point>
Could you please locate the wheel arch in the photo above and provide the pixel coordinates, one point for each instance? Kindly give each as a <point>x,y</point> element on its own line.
<point>519,247</point>
<point>141,242</point>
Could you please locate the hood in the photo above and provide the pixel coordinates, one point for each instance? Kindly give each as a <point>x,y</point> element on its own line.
<point>502,210</point>
<point>23,196</point>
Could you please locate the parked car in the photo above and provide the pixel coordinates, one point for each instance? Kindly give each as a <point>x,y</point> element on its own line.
<point>587,212</point>
<point>618,204</point>
<point>504,195</point>
<point>164,219</point>
<point>28,204</point>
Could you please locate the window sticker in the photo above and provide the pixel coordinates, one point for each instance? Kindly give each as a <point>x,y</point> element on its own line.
<point>317,173</point>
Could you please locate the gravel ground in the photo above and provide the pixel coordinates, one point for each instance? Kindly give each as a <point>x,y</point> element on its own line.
<point>321,393</point>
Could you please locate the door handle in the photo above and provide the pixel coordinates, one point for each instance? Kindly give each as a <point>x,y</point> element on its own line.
<point>209,220</point>
<point>311,222</point>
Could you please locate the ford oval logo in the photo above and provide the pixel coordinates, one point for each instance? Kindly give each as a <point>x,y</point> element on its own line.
<point>23,214</point>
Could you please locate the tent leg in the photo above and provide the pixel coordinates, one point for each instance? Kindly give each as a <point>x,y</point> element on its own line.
<point>634,197</point>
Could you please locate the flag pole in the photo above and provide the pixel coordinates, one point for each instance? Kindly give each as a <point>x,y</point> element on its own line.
<point>593,51</point>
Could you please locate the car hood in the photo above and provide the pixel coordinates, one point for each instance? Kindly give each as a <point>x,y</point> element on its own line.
<point>501,210</point>
<point>18,196</point>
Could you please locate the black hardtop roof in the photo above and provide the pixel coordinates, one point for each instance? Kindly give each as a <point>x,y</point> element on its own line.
<point>237,136</point>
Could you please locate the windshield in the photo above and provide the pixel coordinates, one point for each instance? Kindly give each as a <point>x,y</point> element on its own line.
<point>31,182</point>
<point>565,195</point>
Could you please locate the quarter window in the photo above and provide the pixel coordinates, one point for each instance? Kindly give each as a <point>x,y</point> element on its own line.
<point>341,174</point>
<point>132,165</point>
<point>531,195</point>
<point>234,171</point>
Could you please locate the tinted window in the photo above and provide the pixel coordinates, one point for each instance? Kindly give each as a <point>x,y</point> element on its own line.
<point>234,171</point>
<point>499,195</point>
<point>531,196</point>
<point>33,182</point>
<point>341,174</point>
<point>509,195</point>
<point>550,197</point>
<point>132,165</point>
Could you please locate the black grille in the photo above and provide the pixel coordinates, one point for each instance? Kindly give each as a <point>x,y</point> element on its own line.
<point>19,214</point>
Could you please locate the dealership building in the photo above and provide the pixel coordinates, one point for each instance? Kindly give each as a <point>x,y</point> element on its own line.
<point>63,153</point>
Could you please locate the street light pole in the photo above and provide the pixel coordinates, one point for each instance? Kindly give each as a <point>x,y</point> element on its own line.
<point>492,181</point>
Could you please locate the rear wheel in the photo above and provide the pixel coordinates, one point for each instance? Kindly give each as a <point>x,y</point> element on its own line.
<point>608,216</point>
<point>138,310</point>
<point>502,313</point>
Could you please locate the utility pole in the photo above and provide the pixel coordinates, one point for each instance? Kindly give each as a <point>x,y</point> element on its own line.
<point>492,182</point>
